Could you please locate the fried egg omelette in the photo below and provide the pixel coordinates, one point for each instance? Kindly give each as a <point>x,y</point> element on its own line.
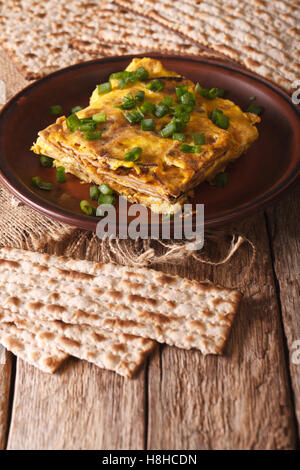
<point>157,136</point>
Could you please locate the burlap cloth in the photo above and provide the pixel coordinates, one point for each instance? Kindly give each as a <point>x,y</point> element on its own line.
<point>20,226</point>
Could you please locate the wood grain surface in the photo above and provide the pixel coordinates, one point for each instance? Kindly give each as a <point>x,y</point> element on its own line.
<point>284,229</point>
<point>247,399</point>
<point>13,82</point>
<point>234,401</point>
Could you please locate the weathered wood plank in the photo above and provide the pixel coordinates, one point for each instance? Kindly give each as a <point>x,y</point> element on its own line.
<point>241,400</point>
<point>5,380</point>
<point>13,82</point>
<point>80,407</point>
<point>284,223</point>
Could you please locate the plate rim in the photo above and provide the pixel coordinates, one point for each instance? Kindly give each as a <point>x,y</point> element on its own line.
<point>90,223</point>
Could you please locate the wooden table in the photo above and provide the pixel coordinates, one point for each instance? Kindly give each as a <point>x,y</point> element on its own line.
<point>247,399</point>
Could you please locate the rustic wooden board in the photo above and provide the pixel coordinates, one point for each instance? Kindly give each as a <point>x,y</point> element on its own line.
<point>13,82</point>
<point>81,407</point>
<point>241,400</point>
<point>183,400</point>
<point>284,226</point>
<point>5,380</point>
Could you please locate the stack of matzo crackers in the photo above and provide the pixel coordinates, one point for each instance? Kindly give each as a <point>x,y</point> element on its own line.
<point>262,35</point>
<point>107,314</point>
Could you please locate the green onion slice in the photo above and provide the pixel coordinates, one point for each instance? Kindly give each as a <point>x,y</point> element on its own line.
<point>181,90</point>
<point>72,122</point>
<point>60,174</point>
<point>221,179</point>
<point>134,117</point>
<point>188,99</point>
<point>169,129</point>
<point>155,85</point>
<point>106,199</point>
<point>94,193</point>
<point>179,136</point>
<point>168,100</point>
<point>91,135</point>
<point>99,117</point>
<point>254,108</point>
<point>128,102</point>
<point>140,95</point>
<point>147,107</point>
<point>161,109</point>
<point>104,88</point>
<point>220,119</point>
<point>87,126</point>
<point>148,124</point>
<point>39,183</point>
<point>46,161</point>
<point>56,109</point>
<point>199,138</point>
<point>76,109</point>
<point>210,94</point>
<point>134,154</point>
<point>105,189</point>
<point>87,207</point>
<point>142,73</point>
<point>190,148</point>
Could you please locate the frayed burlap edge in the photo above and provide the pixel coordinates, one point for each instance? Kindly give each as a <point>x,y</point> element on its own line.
<point>138,253</point>
<point>23,227</point>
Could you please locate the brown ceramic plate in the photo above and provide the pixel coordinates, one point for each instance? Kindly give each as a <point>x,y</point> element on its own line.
<point>257,178</point>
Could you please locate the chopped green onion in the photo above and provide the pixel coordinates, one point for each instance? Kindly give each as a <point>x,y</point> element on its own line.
<point>148,124</point>
<point>134,117</point>
<point>199,138</point>
<point>210,94</point>
<point>181,113</point>
<point>188,99</point>
<point>220,119</point>
<point>60,174</point>
<point>179,136</point>
<point>99,117</point>
<point>142,73</point>
<point>72,122</point>
<point>168,100</point>
<point>46,161</point>
<point>147,107</point>
<point>161,109</point>
<point>128,102</point>
<point>155,85</point>
<point>254,108</point>
<point>252,98</point>
<point>169,129</point>
<point>91,135</point>
<point>190,148</point>
<point>87,126</point>
<point>181,90</point>
<point>106,199</point>
<point>86,119</point>
<point>87,207</point>
<point>221,92</point>
<point>140,95</point>
<point>94,193</point>
<point>76,109</point>
<point>104,88</point>
<point>133,155</point>
<point>105,189</point>
<point>124,77</point>
<point>180,122</point>
<point>56,109</point>
<point>221,179</point>
<point>39,183</point>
